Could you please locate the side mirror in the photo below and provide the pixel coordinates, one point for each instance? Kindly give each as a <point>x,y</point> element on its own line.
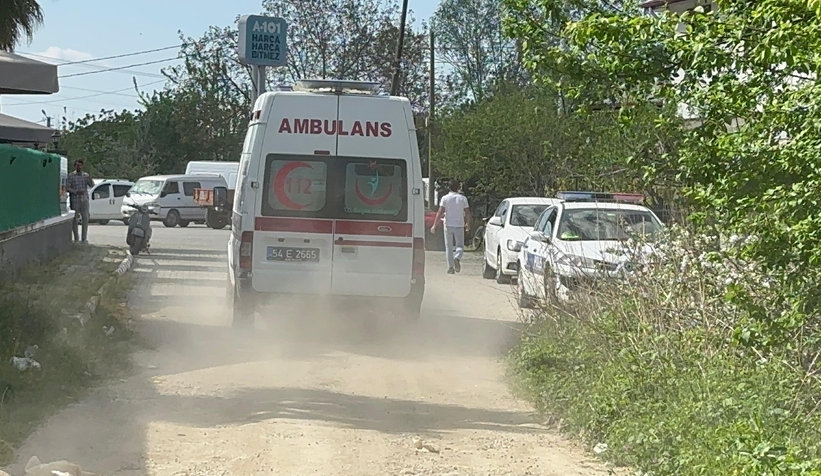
<point>539,236</point>
<point>495,221</point>
<point>220,196</point>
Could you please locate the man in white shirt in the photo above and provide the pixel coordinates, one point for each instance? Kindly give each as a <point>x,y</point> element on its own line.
<point>454,207</point>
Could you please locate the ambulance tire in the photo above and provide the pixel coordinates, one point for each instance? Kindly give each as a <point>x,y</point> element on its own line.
<point>412,304</point>
<point>243,311</point>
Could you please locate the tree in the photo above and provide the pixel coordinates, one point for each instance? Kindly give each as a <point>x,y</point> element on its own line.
<point>518,141</point>
<point>350,39</point>
<point>749,73</point>
<point>18,18</point>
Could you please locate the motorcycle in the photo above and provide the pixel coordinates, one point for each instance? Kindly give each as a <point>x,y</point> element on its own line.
<point>139,229</point>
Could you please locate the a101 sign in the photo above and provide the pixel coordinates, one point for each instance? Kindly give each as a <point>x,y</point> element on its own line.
<point>262,40</point>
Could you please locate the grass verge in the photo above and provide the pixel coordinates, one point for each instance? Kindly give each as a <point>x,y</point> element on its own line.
<point>661,369</point>
<point>39,306</point>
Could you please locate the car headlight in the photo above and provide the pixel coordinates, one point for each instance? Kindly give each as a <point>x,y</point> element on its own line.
<point>514,245</point>
<point>577,261</point>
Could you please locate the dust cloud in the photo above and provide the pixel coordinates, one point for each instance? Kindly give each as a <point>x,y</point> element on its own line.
<point>314,388</point>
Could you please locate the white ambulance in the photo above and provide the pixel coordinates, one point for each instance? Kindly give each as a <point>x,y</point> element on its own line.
<point>328,201</point>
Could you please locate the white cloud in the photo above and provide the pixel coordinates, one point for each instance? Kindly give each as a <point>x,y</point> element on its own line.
<point>66,54</point>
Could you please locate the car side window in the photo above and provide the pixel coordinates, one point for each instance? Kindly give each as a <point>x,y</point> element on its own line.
<point>121,190</point>
<point>539,225</point>
<point>188,188</point>
<point>499,209</point>
<point>171,188</point>
<point>550,223</point>
<point>505,210</point>
<point>103,191</point>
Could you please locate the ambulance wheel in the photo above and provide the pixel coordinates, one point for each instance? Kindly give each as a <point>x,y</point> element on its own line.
<point>487,271</point>
<point>501,277</point>
<point>243,311</point>
<point>172,219</point>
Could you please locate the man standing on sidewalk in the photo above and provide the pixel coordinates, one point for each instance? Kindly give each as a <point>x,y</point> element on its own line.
<point>454,207</point>
<point>77,185</point>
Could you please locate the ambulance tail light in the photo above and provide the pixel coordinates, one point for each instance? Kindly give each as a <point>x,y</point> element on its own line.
<point>418,257</point>
<point>246,250</point>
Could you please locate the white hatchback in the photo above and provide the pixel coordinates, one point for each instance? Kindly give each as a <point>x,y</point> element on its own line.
<point>505,232</point>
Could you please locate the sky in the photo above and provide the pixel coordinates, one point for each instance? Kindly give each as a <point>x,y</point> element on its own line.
<point>81,30</point>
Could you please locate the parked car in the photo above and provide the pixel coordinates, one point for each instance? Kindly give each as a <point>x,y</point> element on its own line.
<point>505,232</point>
<point>577,241</point>
<point>106,199</point>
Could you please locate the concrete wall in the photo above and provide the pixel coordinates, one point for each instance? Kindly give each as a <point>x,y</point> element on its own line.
<point>39,242</point>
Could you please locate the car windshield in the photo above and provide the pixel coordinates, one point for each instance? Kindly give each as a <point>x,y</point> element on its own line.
<point>526,215</point>
<point>606,225</point>
<point>147,187</point>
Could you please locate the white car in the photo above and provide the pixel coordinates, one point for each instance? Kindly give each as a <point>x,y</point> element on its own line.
<point>106,198</point>
<point>580,240</point>
<point>505,232</point>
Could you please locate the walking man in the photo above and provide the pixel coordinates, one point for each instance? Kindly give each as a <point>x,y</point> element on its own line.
<point>77,185</point>
<point>454,207</point>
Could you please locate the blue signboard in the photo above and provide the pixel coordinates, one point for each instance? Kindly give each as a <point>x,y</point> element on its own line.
<point>262,40</point>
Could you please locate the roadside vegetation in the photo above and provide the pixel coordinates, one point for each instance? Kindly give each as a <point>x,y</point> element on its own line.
<point>708,362</point>
<point>40,306</point>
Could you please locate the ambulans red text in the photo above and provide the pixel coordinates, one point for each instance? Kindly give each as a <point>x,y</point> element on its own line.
<point>333,127</point>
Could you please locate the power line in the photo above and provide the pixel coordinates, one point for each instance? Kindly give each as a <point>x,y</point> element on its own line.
<point>104,58</point>
<point>100,93</point>
<point>99,67</point>
<point>118,68</point>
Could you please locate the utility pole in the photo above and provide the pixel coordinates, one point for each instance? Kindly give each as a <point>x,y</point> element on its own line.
<point>397,71</point>
<point>432,105</point>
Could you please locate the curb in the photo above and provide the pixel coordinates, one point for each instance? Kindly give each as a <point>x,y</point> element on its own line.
<point>91,305</point>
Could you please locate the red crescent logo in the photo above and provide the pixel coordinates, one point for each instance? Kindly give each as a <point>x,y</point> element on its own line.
<point>279,184</point>
<point>372,201</point>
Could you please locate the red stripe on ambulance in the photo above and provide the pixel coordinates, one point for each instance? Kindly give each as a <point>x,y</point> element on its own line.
<point>294,225</point>
<point>377,228</point>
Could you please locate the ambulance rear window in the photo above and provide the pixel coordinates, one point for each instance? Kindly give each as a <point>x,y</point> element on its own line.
<point>297,185</point>
<point>335,187</point>
<point>375,189</point>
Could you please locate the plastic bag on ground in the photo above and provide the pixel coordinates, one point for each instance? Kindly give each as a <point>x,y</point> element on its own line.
<point>56,468</point>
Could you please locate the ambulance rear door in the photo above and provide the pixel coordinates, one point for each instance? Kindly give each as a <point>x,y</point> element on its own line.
<point>373,234</point>
<point>293,230</point>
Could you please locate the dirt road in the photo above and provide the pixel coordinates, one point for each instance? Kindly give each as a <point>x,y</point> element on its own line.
<point>313,393</point>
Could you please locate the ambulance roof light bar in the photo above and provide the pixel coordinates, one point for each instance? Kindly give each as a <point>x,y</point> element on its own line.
<point>634,198</point>
<point>337,85</point>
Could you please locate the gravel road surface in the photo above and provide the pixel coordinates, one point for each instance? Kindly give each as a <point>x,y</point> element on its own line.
<point>311,391</point>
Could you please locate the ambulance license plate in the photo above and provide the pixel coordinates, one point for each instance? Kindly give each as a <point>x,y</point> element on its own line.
<point>277,253</point>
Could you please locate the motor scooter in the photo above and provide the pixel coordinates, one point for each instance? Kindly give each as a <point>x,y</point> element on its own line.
<point>138,236</point>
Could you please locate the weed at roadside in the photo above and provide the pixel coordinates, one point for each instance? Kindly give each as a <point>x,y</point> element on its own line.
<point>39,307</point>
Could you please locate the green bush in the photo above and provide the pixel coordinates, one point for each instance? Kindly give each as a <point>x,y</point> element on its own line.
<point>666,369</point>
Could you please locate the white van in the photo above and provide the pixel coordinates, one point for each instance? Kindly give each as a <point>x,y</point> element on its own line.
<point>228,170</point>
<point>329,200</point>
<point>106,200</point>
<point>172,196</point>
